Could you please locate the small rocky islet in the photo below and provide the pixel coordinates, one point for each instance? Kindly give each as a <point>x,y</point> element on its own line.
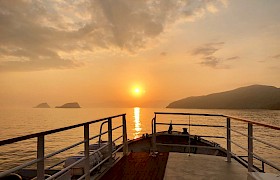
<point>42,105</point>
<point>69,105</point>
<point>66,105</point>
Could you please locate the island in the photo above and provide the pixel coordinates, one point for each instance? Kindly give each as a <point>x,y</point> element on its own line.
<point>70,105</point>
<point>42,105</point>
<point>249,97</point>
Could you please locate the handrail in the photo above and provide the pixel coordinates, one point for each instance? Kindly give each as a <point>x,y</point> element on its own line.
<point>257,139</point>
<point>254,122</point>
<point>21,138</point>
<point>187,135</point>
<point>250,136</point>
<point>40,143</point>
<point>183,145</point>
<point>40,147</point>
<point>59,173</point>
<point>179,113</point>
<point>220,115</point>
<point>100,131</point>
<point>238,145</point>
<point>238,132</point>
<point>203,125</point>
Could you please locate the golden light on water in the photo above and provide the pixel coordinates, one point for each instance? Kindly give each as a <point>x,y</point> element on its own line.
<point>137,122</point>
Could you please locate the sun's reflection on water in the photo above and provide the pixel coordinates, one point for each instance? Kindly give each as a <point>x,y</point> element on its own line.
<point>137,122</point>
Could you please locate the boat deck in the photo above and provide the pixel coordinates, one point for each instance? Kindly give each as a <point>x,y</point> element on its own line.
<point>199,166</point>
<point>140,165</point>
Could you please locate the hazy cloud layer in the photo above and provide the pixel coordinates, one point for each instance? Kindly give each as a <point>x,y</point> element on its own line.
<point>277,56</point>
<point>37,35</point>
<point>163,53</point>
<point>207,54</point>
<point>233,58</point>
<point>208,49</point>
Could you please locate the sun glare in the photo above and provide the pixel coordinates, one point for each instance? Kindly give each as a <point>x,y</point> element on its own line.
<point>138,91</point>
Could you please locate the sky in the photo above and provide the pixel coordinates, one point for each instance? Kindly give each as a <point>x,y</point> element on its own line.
<point>126,53</point>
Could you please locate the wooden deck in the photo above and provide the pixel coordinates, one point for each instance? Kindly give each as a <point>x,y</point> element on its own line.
<point>138,165</point>
<point>173,166</point>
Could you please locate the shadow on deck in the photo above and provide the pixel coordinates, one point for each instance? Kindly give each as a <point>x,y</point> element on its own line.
<point>138,165</point>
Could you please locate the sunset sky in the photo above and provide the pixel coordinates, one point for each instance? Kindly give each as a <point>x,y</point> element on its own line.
<point>125,53</point>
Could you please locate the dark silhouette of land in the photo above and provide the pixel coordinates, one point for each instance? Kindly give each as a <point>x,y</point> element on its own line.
<point>69,105</point>
<point>250,97</point>
<point>42,105</point>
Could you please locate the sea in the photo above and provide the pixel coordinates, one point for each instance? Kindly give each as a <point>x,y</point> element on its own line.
<point>22,121</point>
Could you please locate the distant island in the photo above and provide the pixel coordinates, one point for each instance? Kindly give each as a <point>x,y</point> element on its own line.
<point>69,105</point>
<point>42,105</point>
<point>250,97</point>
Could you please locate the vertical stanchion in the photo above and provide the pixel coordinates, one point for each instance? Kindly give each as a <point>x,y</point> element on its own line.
<point>125,145</point>
<point>189,135</point>
<point>154,135</point>
<point>110,142</point>
<point>86,151</point>
<point>40,155</point>
<point>250,147</point>
<point>228,141</point>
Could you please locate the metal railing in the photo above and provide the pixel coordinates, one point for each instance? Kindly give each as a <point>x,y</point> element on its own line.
<point>249,149</point>
<point>250,141</point>
<point>41,157</point>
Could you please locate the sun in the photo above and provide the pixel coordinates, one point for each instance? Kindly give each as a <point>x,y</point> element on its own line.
<point>138,91</point>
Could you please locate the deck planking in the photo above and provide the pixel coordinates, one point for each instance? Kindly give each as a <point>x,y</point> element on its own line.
<point>138,165</point>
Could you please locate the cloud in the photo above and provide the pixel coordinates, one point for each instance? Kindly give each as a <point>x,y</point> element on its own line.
<point>208,49</point>
<point>28,44</point>
<point>233,58</point>
<point>207,53</point>
<point>277,56</point>
<point>163,53</point>
<point>130,25</point>
<point>39,63</point>
<point>38,35</point>
<point>211,61</point>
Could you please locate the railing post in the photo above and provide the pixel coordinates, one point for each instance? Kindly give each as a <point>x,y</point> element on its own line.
<point>86,151</point>
<point>40,155</point>
<point>154,135</point>
<point>228,141</point>
<point>110,137</point>
<point>125,145</point>
<point>250,147</point>
<point>189,135</point>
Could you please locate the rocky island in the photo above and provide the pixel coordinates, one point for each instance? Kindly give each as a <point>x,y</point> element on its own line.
<point>69,105</point>
<point>42,105</point>
<point>250,97</point>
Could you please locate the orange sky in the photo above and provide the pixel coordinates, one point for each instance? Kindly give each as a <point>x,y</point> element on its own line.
<point>96,52</point>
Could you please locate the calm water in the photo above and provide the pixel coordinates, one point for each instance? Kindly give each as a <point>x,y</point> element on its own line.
<point>18,122</point>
